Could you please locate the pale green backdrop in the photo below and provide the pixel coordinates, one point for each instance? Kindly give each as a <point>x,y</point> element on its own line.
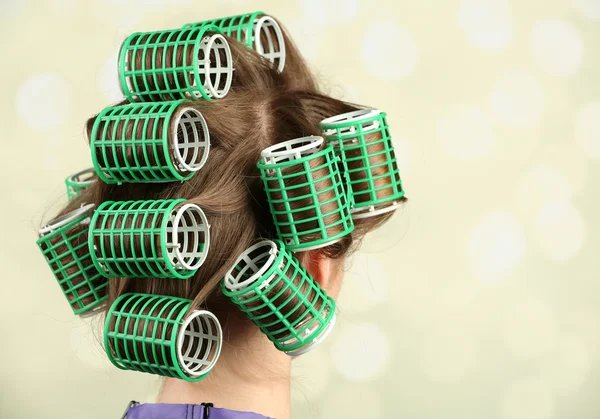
<point>478,300</point>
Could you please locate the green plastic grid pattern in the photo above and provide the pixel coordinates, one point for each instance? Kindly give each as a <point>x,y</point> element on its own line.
<point>357,154</point>
<point>172,65</point>
<point>141,332</point>
<point>66,252</point>
<point>140,250</point>
<point>238,27</point>
<point>285,302</point>
<point>242,28</point>
<point>140,152</point>
<point>290,177</point>
<point>78,182</point>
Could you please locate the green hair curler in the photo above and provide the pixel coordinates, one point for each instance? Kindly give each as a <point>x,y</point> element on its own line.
<point>149,239</point>
<point>78,182</point>
<point>277,293</point>
<point>155,334</point>
<point>362,139</point>
<point>174,64</point>
<point>149,142</point>
<point>257,31</point>
<point>306,194</point>
<point>63,243</point>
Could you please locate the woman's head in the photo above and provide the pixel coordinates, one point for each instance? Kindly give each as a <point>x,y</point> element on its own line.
<point>263,108</point>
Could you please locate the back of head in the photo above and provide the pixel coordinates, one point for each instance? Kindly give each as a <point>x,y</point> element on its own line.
<point>265,107</point>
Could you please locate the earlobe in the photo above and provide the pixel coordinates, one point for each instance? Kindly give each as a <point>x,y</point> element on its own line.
<point>319,266</point>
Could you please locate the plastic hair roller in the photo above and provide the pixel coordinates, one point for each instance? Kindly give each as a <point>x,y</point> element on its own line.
<point>148,239</point>
<point>159,335</point>
<point>306,195</point>
<point>149,142</point>
<point>64,244</point>
<point>174,64</point>
<point>257,30</point>
<point>277,293</point>
<point>362,139</point>
<point>78,182</point>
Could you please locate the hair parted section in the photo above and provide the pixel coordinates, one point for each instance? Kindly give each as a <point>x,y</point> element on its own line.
<point>263,108</point>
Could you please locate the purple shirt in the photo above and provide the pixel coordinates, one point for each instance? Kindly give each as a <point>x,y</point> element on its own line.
<point>185,411</point>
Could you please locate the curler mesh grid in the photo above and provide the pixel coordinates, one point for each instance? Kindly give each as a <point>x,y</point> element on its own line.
<point>152,334</point>
<point>369,162</point>
<point>145,150</point>
<point>257,31</point>
<point>305,220</point>
<point>78,182</point>
<point>190,63</point>
<point>63,243</point>
<point>149,239</point>
<point>276,292</point>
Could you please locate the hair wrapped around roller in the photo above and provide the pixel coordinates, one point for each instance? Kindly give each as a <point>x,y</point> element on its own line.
<point>362,140</point>
<point>64,244</point>
<point>149,142</point>
<point>277,293</point>
<point>257,31</point>
<point>193,63</point>
<point>159,335</point>
<point>149,239</point>
<point>306,194</point>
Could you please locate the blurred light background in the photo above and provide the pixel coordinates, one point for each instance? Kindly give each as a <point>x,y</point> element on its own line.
<point>478,300</point>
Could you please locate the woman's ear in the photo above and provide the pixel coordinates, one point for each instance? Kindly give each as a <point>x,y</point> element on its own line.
<point>326,271</point>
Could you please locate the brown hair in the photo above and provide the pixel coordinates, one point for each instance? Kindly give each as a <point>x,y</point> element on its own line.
<point>263,108</point>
